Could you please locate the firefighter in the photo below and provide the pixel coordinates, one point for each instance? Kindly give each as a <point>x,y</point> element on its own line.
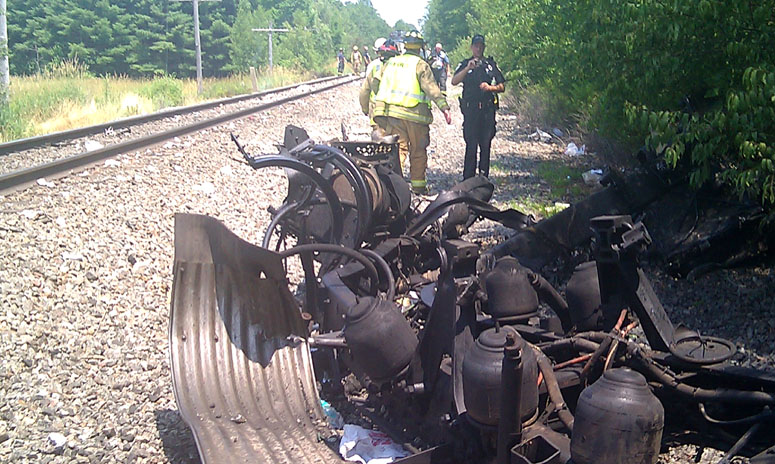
<point>385,49</point>
<point>482,81</point>
<point>355,59</point>
<point>403,106</point>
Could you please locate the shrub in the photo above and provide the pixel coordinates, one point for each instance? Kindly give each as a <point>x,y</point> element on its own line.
<point>164,92</point>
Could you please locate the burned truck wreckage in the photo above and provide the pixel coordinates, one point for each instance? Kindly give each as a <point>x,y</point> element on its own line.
<point>461,353</point>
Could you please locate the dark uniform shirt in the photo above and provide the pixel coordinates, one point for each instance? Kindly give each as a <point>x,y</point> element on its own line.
<point>488,72</point>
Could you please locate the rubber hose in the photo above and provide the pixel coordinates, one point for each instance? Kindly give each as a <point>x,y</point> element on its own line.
<point>391,281</point>
<point>553,388</point>
<point>549,295</point>
<point>724,395</point>
<point>331,248</point>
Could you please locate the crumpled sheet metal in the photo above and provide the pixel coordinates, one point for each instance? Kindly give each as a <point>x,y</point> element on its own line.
<point>242,371</point>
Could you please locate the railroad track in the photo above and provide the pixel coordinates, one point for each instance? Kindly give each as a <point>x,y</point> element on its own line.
<point>21,178</point>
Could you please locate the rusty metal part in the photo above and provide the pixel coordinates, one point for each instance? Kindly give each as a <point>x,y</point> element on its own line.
<point>241,369</point>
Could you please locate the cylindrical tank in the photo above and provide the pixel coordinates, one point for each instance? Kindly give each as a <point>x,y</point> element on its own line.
<point>379,337</point>
<point>482,377</point>
<point>509,292</point>
<point>583,295</point>
<point>618,420</point>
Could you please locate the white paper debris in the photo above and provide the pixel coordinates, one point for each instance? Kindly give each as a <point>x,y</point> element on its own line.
<point>574,150</point>
<point>29,213</point>
<point>226,171</point>
<point>72,256</point>
<point>60,221</point>
<point>207,188</point>
<point>369,446</point>
<point>112,163</point>
<point>42,181</point>
<point>540,136</point>
<point>92,145</point>
<point>57,439</point>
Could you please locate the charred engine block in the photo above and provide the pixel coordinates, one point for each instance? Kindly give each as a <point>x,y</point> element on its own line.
<point>479,358</point>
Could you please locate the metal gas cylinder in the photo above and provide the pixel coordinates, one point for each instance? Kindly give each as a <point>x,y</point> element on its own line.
<point>482,377</point>
<point>379,337</point>
<point>583,296</point>
<point>618,420</point>
<point>509,292</point>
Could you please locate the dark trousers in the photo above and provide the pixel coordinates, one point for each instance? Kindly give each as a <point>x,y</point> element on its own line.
<point>478,131</point>
<point>441,78</point>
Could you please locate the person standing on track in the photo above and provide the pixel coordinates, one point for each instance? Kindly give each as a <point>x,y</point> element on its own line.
<point>403,107</point>
<point>340,59</point>
<point>482,81</point>
<point>355,59</point>
<point>440,66</point>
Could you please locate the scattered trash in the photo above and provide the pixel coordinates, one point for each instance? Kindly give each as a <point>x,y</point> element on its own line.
<point>168,145</point>
<point>57,439</point>
<point>369,446</point>
<point>207,188</point>
<point>574,150</point>
<point>226,170</point>
<point>42,181</point>
<point>60,221</point>
<point>112,163</point>
<point>72,256</point>
<point>92,145</point>
<point>592,177</point>
<point>30,213</point>
<point>557,132</point>
<point>334,418</point>
<point>540,136</point>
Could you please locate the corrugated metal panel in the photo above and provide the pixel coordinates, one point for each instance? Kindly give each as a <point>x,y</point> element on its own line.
<point>242,383</point>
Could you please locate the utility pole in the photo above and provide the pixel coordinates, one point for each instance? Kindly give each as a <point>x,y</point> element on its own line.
<point>197,43</point>
<point>5,77</point>
<point>270,30</point>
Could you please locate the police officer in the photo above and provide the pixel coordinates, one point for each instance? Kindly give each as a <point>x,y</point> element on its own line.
<point>482,80</point>
<point>403,106</point>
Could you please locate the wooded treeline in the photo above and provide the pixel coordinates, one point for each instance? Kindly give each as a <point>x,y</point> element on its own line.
<point>694,79</point>
<point>152,37</point>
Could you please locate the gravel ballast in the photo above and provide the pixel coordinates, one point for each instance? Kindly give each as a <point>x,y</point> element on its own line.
<point>87,267</point>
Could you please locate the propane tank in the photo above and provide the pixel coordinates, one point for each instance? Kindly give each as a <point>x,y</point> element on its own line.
<point>618,420</point>
<point>482,377</point>
<point>583,295</point>
<point>379,337</point>
<point>509,292</point>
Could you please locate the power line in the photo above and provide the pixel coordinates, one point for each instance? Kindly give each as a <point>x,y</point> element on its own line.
<point>5,77</point>
<point>197,43</point>
<point>270,30</point>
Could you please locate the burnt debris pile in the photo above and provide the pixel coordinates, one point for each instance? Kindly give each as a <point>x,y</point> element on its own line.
<point>463,353</point>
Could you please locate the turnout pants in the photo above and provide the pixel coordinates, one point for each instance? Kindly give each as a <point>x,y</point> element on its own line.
<point>478,131</point>
<point>413,139</point>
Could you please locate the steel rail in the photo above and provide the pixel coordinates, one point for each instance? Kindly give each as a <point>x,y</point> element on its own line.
<point>17,179</point>
<point>56,137</point>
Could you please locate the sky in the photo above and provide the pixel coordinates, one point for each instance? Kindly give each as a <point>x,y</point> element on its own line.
<point>409,10</point>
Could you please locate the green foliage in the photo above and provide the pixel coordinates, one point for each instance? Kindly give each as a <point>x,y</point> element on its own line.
<point>734,142</point>
<point>600,61</point>
<point>145,38</point>
<point>164,92</point>
<point>35,104</point>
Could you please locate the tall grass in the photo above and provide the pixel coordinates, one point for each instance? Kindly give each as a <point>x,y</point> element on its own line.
<point>66,96</point>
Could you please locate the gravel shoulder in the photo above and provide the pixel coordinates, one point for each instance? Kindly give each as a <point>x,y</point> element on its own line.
<point>87,267</point>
